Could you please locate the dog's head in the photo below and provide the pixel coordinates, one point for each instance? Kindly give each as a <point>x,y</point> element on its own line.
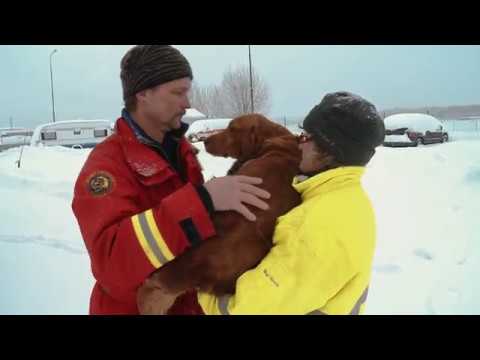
<point>244,137</point>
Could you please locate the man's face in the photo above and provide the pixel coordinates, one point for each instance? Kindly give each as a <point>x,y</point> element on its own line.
<point>166,104</point>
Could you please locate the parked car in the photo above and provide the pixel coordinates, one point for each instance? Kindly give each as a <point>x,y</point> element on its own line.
<point>12,137</point>
<point>201,129</point>
<point>413,130</point>
<point>73,133</point>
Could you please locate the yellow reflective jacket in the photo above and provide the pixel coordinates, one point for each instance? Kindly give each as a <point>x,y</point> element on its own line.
<point>322,255</point>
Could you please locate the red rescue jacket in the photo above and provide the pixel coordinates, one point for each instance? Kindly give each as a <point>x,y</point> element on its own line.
<point>135,213</point>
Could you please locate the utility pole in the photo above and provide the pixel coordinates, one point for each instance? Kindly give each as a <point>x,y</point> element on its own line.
<point>251,78</point>
<point>51,83</point>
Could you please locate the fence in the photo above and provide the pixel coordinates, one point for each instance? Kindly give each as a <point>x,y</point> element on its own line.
<point>463,129</point>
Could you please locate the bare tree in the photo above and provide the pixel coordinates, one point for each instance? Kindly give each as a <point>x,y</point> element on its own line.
<point>207,99</point>
<point>232,97</point>
<point>199,98</point>
<point>217,102</point>
<point>236,95</point>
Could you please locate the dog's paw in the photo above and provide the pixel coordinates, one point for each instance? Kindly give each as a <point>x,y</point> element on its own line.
<point>154,301</point>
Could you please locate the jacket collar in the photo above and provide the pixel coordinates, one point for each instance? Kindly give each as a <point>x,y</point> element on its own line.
<point>328,181</point>
<point>141,158</point>
<point>143,137</point>
<point>138,147</point>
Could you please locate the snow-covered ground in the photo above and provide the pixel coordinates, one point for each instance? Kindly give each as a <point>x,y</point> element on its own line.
<point>426,199</point>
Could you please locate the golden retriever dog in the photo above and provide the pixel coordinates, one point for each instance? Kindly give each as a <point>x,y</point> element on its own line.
<point>263,149</point>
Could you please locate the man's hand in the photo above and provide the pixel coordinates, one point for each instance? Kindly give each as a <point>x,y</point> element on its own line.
<point>230,192</point>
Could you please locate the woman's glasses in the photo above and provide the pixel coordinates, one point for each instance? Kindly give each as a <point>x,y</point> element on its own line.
<point>304,138</point>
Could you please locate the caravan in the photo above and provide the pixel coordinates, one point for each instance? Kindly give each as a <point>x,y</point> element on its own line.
<point>76,134</point>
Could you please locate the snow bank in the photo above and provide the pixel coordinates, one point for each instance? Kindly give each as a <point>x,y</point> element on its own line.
<point>426,200</point>
<point>43,261</point>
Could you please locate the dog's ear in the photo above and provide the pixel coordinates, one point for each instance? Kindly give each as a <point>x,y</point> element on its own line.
<point>287,142</point>
<point>254,138</point>
<point>250,143</point>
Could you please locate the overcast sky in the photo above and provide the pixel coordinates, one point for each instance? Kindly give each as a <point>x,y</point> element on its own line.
<point>87,83</point>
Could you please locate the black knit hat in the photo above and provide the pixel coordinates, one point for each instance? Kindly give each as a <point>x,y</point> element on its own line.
<point>347,126</point>
<point>146,66</point>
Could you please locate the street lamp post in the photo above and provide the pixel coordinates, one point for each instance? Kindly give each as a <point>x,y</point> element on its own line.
<point>51,84</point>
<point>251,78</point>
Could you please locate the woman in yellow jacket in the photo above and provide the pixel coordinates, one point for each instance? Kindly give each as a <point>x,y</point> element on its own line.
<point>323,249</point>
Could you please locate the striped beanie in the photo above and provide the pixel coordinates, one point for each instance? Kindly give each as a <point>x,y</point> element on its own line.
<point>146,66</point>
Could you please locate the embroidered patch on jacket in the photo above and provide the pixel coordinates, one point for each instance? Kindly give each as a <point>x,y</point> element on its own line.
<point>100,183</point>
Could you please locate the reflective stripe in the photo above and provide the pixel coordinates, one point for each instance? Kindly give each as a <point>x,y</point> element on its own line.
<point>363,298</point>
<point>355,310</point>
<point>223,304</point>
<point>144,243</point>
<point>152,225</point>
<point>150,239</point>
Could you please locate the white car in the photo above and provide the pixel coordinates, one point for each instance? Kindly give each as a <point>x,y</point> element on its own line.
<point>12,137</point>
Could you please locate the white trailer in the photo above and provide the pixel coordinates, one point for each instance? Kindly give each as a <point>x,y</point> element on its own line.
<point>73,133</point>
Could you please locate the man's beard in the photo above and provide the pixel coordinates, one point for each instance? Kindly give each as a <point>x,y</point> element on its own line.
<point>176,121</point>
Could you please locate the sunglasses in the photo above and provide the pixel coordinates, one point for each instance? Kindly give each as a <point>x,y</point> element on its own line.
<point>304,138</point>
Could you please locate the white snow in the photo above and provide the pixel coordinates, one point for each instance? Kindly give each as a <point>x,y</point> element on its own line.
<point>192,115</point>
<point>415,122</point>
<point>428,243</point>
<point>428,251</point>
<point>43,262</point>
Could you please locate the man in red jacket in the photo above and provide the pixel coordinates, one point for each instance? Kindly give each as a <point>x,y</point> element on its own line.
<point>140,198</point>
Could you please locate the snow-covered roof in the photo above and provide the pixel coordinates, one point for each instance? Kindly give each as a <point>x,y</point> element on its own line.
<point>13,129</point>
<point>413,121</point>
<point>10,130</point>
<point>101,122</point>
<point>78,121</point>
<point>208,124</point>
<point>194,113</point>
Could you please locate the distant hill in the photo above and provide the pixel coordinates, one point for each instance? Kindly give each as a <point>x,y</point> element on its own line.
<point>445,112</point>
